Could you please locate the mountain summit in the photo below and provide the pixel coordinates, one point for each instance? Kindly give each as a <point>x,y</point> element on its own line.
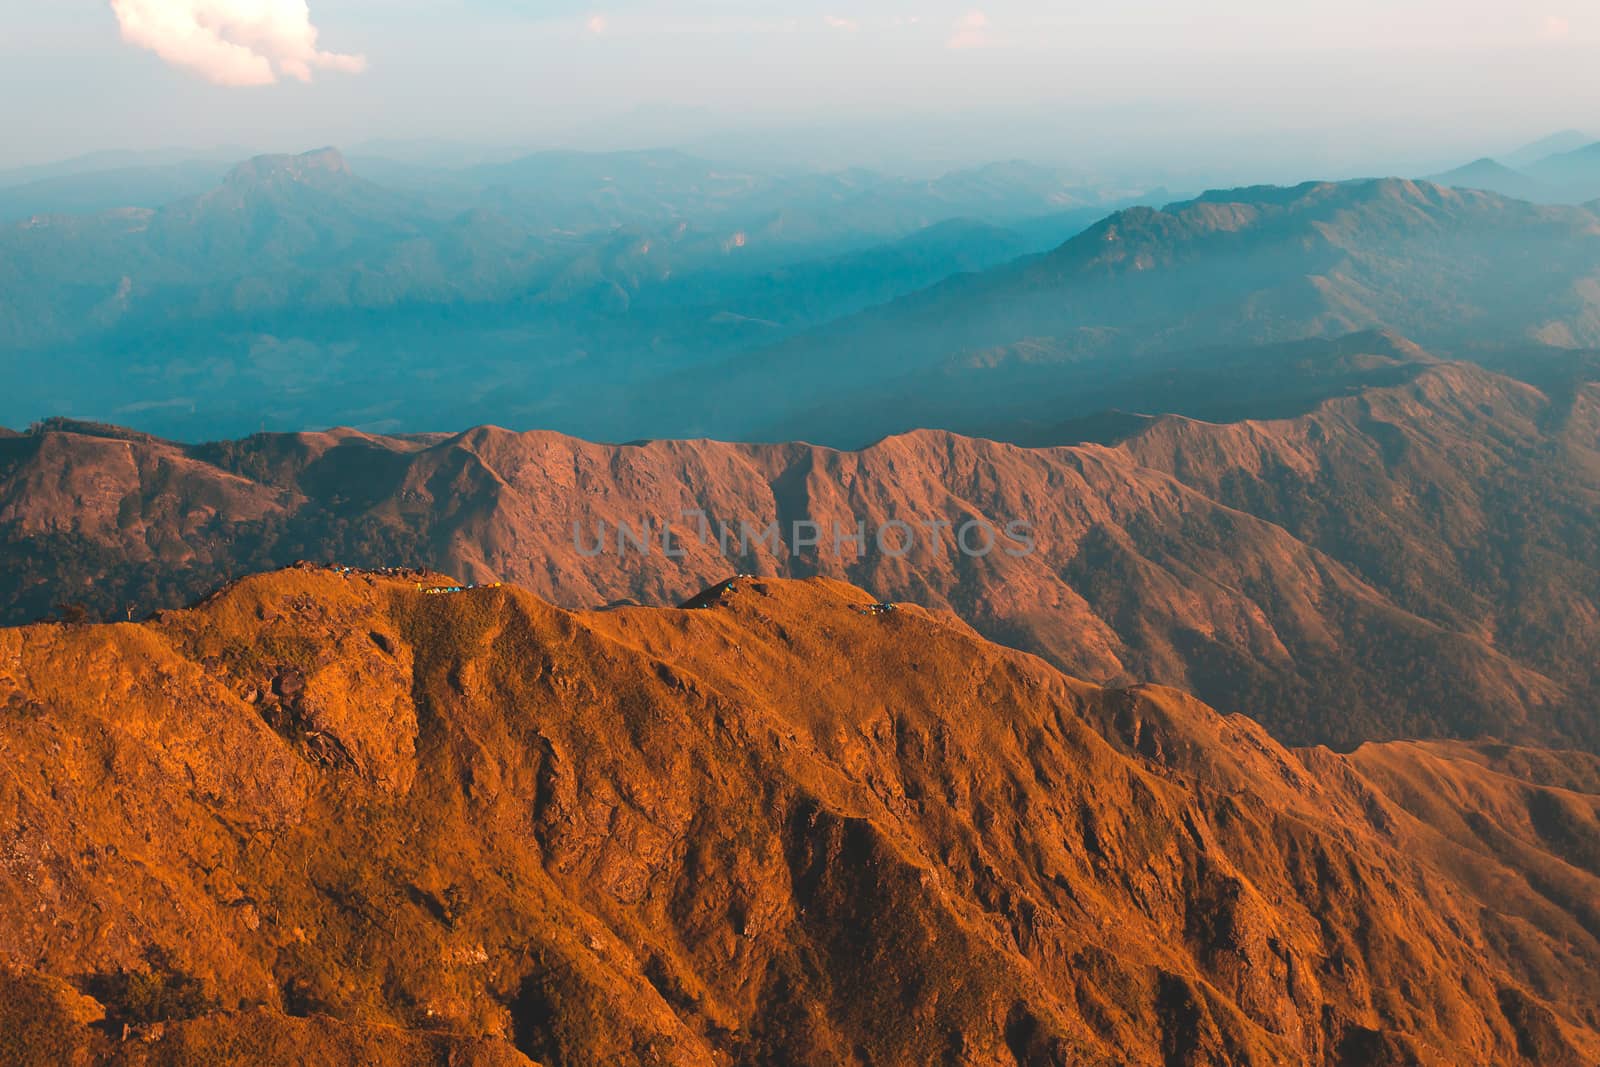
<point>319,165</point>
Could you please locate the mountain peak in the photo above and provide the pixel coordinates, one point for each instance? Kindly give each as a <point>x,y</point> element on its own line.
<point>1486,164</point>
<point>1491,175</point>
<point>305,167</point>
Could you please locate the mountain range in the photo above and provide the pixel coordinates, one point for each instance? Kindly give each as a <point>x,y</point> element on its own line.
<point>652,294</point>
<point>1146,292</point>
<point>296,292</point>
<point>1415,546</point>
<point>1562,169</point>
<point>327,817</point>
<point>1025,625</point>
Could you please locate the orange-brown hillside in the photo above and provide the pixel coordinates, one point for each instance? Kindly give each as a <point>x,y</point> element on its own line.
<point>323,817</point>
<point>1414,561</point>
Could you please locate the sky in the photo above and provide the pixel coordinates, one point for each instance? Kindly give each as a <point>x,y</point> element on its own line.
<point>1269,88</point>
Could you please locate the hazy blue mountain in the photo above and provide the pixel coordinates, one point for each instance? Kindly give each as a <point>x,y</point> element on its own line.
<point>1545,147</point>
<point>94,192</point>
<point>296,292</point>
<point>668,297</point>
<point>811,291</point>
<point>1563,168</point>
<point>1576,174</point>
<point>120,160</point>
<point>580,191</point>
<point>1056,335</point>
<point>585,191</point>
<point>1496,178</point>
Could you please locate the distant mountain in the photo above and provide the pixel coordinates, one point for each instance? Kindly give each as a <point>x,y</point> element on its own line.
<point>1576,173</point>
<point>295,292</point>
<point>1567,178</point>
<point>1545,147</point>
<point>1056,335</point>
<point>280,233</point>
<point>1562,170</point>
<point>326,817</point>
<point>1496,178</point>
<point>815,290</point>
<point>100,191</point>
<point>120,160</point>
<point>584,191</point>
<point>581,191</point>
<point>1418,551</point>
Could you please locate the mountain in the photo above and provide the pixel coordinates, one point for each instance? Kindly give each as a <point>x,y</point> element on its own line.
<point>99,191</point>
<point>1495,177</point>
<point>250,246</point>
<point>1576,173</point>
<point>1566,178</point>
<point>327,817</point>
<point>654,294</point>
<point>115,160</point>
<point>1458,271</point>
<point>1545,147</point>
<point>1416,548</point>
<point>809,291</point>
<point>297,293</point>
<point>583,190</point>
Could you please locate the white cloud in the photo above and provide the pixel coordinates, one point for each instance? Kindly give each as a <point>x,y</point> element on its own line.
<point>834,22</point>
<point>232,42</point>
<point>597,24</point>
<point>971,31</point>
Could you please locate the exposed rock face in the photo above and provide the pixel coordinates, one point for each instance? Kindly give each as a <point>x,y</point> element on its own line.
<point>1416,560</point>
<point>771,829</point>
<point>308,166</point>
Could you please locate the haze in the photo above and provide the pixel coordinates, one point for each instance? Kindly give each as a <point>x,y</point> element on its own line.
<point>1228,88</point>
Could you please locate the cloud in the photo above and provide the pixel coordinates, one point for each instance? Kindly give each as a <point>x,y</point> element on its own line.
<point>597,24</point>
<point>971,31</point>
<point>232,42</point>
<point>834,22</point>
<point>1556,28</point>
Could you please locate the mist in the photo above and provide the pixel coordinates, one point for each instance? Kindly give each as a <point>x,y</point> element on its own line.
<point>1223,91</point>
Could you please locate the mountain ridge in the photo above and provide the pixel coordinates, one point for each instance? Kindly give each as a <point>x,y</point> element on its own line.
<point>699,836</point>
<point>1280,565</point>
<point>1237,268</point>
<point>295,291</point>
